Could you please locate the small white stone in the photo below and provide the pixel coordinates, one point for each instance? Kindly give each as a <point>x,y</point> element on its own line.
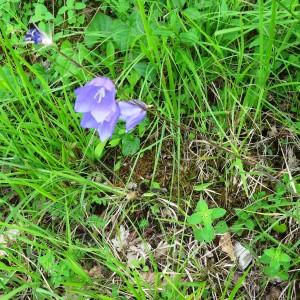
<point>243,255</point>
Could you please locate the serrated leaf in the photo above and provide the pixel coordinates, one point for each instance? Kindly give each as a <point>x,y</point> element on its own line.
<point>47,261</point>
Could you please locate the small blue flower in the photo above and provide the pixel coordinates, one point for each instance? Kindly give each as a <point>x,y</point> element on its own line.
<point>96,100</point>
<point>36,36</point>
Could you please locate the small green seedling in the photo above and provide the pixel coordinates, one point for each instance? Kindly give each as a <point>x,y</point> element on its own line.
<point>204,218</point>
<point>276,262</point>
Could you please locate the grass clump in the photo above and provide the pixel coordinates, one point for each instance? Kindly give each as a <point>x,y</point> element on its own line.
<point>120,220</point>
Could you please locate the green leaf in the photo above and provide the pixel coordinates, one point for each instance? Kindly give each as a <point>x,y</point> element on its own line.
<point>205,234</point>
<point>221,227</point>
<point>194,219</point>
<point>178,3</point>
<point>76,268</point>
<point>192,13</point>
<point>62,10</point>
<point>99,150</point>
<point>190,37</point>
<point>114,142</point>
<point>79,5</point>
<point>250,224</point>
<point>284,258</point>
<point>217,213</point>
<point>96,221</point>
<point>202,206</point>
<point>41,13</point>
<point>47,261</point>
<point>130,145</point>
<point>100,26</point>
<point>280,228</point>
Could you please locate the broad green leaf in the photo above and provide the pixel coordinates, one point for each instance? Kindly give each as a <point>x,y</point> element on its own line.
<point>178,3</point>
<point>192,13</point>
<point>221,227</point>
<point>130,145</point>
<point>284,257</point>
<point>205,234</point>
<point>100,26</point>
<point>217,213</point>
<point>189,38</point>
<point>194,219</point>
<point>79,5</point>
<point>202,206</point>
<point>114,142</point>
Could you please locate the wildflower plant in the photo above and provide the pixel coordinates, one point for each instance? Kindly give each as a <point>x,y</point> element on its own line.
<point>203,222</point>
<point>97,101</point>
<point>277,263</point>
<point>37,37</point>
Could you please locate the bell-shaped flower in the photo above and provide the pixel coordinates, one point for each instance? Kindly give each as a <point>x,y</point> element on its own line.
<point>36,36</point>
<point>132,112</point>
<point>96,100</point>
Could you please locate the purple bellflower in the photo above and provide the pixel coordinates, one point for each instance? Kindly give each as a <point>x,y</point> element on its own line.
<point>36,36</point>
<point>132,112</point>
<point>96,100</point>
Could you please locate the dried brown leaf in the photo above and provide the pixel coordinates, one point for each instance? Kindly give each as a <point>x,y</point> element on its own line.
<point>226,246</point>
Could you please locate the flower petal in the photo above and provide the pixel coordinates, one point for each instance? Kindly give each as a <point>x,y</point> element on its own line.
<point>132,113</point>
<point>127,109</point>
<point>88,121</point>
<point>106,128</point>
<point>103,82</point>
<point>102,110</point>
<point>135,120</point>
<point>85,101</point>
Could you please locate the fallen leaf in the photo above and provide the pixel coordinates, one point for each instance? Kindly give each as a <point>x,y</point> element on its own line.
<point>95,272</point>
<point>120,242</point>
<point>161,249</point>
<point>148,277</point>
<point>137,253</point>
<point>273,132</point>
<point>226,246</point>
